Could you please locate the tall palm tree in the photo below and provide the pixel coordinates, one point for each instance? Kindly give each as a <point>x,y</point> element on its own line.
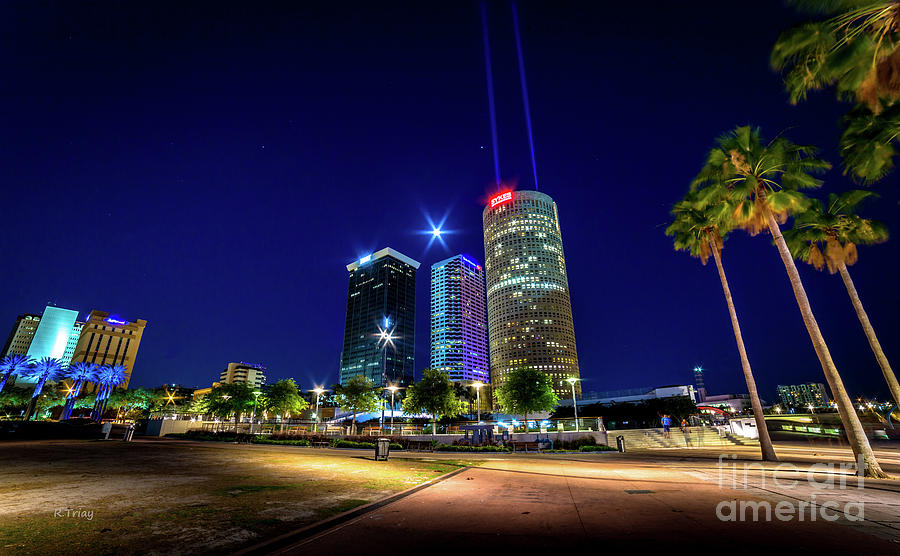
<point>757,185</point>
<point>698,231</point>
<point>856,50</point>
<point>13,364</point>
<point>827,237</point>
<point>79,373</point>
<point>108,377</point>
<point>47,368</point>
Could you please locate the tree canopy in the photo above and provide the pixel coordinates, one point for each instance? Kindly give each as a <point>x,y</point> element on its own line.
<point>283,398</point>
<point>526,390</point>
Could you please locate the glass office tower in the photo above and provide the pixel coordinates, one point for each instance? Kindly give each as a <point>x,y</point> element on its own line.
<point>381,303</point>
<point>528,305</point>
<point>52,335</point>
<point>459,343</point>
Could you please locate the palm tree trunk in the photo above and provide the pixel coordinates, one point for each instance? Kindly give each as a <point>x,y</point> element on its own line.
<point>5,378</point>
<point>765,442</point>
<point>856,435</point>
<point>886,370</point>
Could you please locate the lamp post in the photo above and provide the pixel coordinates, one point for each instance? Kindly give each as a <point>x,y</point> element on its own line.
<point>393,390</point>
<point>318,390</point>
<point>478,385</point>
<point>572,380</point>
<point>385,337</point>
<point>256,394</point>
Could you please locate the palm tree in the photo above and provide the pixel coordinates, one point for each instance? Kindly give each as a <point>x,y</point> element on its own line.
<point>46,369</point>
<point>856,50</point>
<point>828,236</point>
<point>108,377</point>
<point>79,373</point>
<point>13,364</point>
<point>757,185</point>
<point>699,232</point>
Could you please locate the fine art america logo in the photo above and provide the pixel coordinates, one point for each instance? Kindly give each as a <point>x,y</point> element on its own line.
<point>818,479</point>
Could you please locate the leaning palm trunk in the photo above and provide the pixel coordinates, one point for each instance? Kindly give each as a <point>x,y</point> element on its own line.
<point>856,435</point>
<point>765,442</point>
<point>870,334</point>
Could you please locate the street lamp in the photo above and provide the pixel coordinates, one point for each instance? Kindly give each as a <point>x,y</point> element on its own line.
<point>385,337</point>
<point>318,390</point>
<point>478,385</point>
<point>572,380</point>
<point>393,389</point>
<point>256,394</point>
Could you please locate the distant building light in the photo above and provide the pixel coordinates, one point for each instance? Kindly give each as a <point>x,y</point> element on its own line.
<point>111,320</point>
<point>365,259</point>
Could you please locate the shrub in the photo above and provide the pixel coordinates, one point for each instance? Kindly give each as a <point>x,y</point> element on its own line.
<point>596,448</point>
<point>465,448</point>
<point>264,440</point>
<point>575,443</point>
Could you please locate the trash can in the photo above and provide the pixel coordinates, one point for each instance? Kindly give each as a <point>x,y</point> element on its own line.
<point>382,449</point>
<point>620,443</point>
<point>129,432</point>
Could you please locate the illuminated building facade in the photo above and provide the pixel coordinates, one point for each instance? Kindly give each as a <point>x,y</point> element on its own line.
<point>107,340</point>
<point>247,373</point>
<point>528,305</point>
<point>459,342</point>
<point>22,334</point>
<point>51,339</point>
<point>804,395</point>
<point>381,298</point>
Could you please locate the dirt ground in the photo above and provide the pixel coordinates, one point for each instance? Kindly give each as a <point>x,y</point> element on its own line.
<point>172,497</point>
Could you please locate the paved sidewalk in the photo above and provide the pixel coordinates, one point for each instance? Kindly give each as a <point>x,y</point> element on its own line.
<point>612,502</point>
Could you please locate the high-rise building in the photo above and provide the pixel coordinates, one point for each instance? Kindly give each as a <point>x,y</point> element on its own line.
<point>459,343</point>
<point>380,327</point>
<point>107,340</point>
<point>72,343</point>
<point>22,334</point>
<point>804,395</point>
<point>52,335</point>
<point>247,373</point>
<point>528,305</point>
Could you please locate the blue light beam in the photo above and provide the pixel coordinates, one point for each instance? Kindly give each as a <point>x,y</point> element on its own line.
<point>490,88</point>
<point>524,92</point>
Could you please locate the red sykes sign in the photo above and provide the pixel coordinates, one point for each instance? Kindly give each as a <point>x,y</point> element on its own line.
<point>501,198</point>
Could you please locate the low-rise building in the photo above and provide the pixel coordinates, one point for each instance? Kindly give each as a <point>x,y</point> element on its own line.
<point>251,374</point>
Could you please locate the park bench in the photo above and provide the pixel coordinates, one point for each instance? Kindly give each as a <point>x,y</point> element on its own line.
<point>525,446</point>
<point>420,446</point>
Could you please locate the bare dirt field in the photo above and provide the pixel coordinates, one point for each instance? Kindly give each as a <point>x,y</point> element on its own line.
<point>173,497</point>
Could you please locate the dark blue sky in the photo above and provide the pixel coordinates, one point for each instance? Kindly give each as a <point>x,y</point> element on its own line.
<point>213,168</point>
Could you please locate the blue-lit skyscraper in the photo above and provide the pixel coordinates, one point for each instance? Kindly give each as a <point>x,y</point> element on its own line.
<point>381,300</point>
<point>459,337</point>
<point>52,335</point>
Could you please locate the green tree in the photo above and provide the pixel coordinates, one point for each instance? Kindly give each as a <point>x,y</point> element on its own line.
<point>433,394</point>
<point>136,401</point>
<point>827,236</point>
<point>757,185</point>
<point>854,49</point>
<point>698,230</point>
<point>526,390</point>
<point>283,398</point>
<point>227,399</point>
<point>358,395</point>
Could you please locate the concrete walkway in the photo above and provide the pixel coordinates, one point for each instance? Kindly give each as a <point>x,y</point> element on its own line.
<point>609,502</point>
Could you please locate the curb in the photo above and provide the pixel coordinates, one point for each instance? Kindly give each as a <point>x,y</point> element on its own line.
<point>273,546</point>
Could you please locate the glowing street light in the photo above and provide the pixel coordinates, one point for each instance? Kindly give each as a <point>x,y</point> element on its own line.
<point>436,233</point>
<point>778,409</point>
<point>256,394</point>
<point>571,380</point>
<point>318,390</point>
<point>393,390</point>
<point>478,385</point>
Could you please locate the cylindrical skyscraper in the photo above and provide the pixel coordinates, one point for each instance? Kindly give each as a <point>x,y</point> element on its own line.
<point>529,309</point>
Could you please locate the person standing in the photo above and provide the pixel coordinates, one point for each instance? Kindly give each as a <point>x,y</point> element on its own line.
<point>666,424</point>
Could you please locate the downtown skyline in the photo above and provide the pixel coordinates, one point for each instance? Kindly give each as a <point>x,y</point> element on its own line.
<point>198,230</point>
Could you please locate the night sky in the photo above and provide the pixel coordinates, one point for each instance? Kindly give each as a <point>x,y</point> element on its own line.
<point>212,169</point>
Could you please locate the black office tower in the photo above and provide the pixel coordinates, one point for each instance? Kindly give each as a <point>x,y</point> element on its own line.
<point>380,328</point>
